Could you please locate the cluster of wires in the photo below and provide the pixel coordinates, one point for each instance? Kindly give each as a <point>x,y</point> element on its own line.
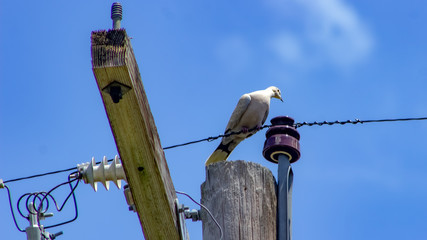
<point>38,203</point>
<point>209,139</point>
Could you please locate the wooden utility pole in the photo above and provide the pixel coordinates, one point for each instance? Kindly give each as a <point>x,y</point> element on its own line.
<point>242,197</point>
<point>135,133</point>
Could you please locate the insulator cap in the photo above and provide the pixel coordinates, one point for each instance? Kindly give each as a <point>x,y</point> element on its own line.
<point>116,11</point>
<point>282,138</point>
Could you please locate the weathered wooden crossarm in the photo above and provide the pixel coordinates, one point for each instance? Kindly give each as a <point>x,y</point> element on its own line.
<point>135,133</point>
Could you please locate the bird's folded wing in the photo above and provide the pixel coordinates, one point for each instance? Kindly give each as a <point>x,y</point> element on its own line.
<point>238,112</point>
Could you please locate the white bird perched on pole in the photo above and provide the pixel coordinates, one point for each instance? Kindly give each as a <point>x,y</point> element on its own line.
<point>250,113</point>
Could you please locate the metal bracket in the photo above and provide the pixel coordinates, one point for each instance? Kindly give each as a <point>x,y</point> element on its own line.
<point>180,211</point>
<point>183,213</point>
<point>116,90</point>
<point>129,198</point>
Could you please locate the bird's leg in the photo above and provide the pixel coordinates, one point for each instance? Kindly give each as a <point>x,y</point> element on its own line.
<point>245,130</point>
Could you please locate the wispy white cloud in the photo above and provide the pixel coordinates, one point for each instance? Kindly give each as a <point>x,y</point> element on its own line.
<point>288,46</point>
<point>332,32</point>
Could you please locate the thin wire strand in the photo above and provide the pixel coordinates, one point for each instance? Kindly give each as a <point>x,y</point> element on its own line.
<point>207,210</point>
<point>72,193</point>
<point>209,139</point>
<point>47,173</point>
<point>43,199</point>
<point>356,121</point>
<point>300,124</point>
<point>40,175</point>
<point>11,209</point>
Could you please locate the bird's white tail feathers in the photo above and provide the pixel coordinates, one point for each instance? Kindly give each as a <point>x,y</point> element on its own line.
<point>217,156</point>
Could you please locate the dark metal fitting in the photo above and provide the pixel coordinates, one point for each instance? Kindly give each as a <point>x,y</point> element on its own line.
<point>282,138</point>
<point>116,90</point>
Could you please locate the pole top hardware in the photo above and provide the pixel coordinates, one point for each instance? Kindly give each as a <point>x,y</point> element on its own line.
<point>116,14</point>
<point>116,90</point>
<point>282,138</point>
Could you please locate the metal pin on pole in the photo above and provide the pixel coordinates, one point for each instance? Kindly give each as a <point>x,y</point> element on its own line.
<point>282,147</point>
<point>33,231</point>
<point>284,199</point>
<point>116,14</point>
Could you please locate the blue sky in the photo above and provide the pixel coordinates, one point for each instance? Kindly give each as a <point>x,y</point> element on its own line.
<point>332,59</point>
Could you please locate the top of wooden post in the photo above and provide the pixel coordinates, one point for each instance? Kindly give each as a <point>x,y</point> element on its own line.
<point>135,133</point>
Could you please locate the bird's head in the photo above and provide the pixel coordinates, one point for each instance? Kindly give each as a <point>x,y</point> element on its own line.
<point>276,93</point>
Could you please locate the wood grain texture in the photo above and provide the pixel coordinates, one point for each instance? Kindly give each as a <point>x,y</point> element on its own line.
<point>135,134</point>
<point>242,197</point>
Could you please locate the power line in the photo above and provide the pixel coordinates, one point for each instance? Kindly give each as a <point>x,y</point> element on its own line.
<point>356,121</point>
<point>40,175</point>
<point>46,174</point>
<point>11,210</point>
<point>209,139</point>
<point>300,124</point>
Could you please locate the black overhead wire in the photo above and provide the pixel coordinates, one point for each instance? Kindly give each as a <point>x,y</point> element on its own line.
<point>300,124</point>
<point>11,209</point>
<point>46,174</point>
<point>209,139</point>
<point>40,175</point>
<point>72,193</point>
<point>356,121</point>
<point>43,198</point>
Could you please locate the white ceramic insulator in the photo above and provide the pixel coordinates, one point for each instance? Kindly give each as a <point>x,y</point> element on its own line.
<point>102,173</point>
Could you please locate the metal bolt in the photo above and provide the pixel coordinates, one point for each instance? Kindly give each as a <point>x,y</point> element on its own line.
<point>116,14</point>
<point>193,214</point>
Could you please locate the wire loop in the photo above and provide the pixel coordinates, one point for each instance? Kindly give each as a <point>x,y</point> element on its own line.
<point>40,202</point>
